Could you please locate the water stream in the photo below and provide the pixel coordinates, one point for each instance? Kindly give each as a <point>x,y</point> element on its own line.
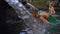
<point>36,26</point>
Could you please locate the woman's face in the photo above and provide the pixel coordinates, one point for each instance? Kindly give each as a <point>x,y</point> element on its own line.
<point>51,4</point>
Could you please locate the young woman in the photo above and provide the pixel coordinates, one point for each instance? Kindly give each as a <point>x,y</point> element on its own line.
<point>45,17</point>
<point>51,8</point>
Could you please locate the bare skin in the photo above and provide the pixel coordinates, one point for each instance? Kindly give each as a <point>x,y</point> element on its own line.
<point>51,8</point>
<point>44,20</point>
<point>44,15</point>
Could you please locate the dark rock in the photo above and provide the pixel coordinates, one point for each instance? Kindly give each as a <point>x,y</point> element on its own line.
<point>9,21</point>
